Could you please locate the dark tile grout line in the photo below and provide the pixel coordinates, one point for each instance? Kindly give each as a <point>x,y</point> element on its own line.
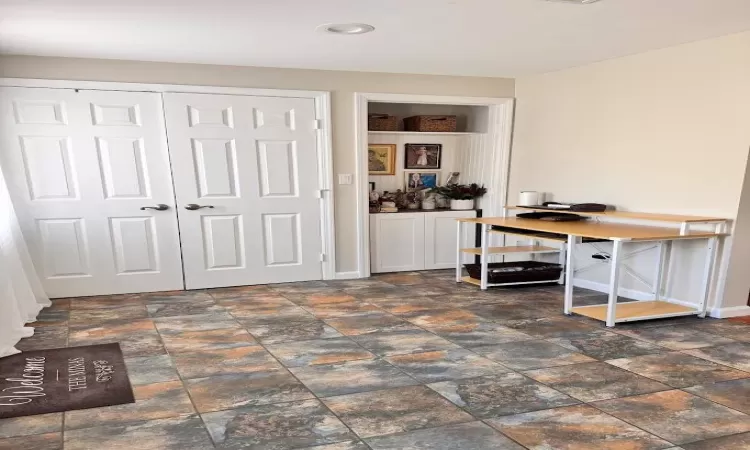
<point>425,384</point>
<point>377,357</point>
<point>380,358</point>
<point>667,350</point>
<point>484,420</point>
<point>319,399</point>
<point>551,387</point>
<point>185,387</point>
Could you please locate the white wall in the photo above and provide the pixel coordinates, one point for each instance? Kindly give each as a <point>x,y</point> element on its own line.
<point>737,287</point>
<point>341,84</point>
<point>663,131</point>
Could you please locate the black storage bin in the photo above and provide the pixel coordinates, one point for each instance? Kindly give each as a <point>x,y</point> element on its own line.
<point>516,272</point>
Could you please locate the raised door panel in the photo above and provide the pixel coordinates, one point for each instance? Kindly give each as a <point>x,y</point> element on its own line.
<point>400,242</point>
<point>134,245</point>
<point>215,163</point>
<point>274,117</point>
<point>116,114</point>
<point>48,166</point>
<point>65,248</point>
<point>278,169</point>
<point>123,168</point>
<point>282,239</point>
<point>223,237</point>
<point>208,116</point>
<point>40,112</point>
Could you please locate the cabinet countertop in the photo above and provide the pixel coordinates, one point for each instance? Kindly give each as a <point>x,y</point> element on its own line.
<point>425,211</point>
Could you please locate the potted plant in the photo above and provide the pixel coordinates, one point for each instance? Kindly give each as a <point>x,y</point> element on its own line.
<point>429,201</point>
<point>462,195</point>
<point>412,200</point>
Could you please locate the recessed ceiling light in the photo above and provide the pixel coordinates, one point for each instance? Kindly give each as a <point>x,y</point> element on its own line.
<point>346,28</point>
<point>577,2</point>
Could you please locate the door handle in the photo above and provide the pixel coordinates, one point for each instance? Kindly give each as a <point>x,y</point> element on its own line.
<point>159,207</point>
<point>193,206</point>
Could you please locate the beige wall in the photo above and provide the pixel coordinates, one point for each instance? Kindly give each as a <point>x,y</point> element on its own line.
<point>738,271</point>
<point>663,131</point>
<point>341,84</point>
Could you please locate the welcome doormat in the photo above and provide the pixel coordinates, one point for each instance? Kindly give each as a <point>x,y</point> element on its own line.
<point>63,379</point>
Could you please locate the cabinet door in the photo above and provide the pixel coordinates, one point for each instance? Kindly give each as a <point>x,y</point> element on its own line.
<point>440,239</point>
<point>397,242</point>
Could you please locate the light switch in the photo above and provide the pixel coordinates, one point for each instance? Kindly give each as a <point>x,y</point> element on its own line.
<point>345,178</point>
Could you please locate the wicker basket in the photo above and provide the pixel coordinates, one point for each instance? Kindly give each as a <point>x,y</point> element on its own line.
<point>517,272</point>
<point>445,124</point>
<point>382,122</point>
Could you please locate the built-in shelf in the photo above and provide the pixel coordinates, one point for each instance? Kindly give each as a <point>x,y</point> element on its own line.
<point>513,249</point>
<point>428,133</point>
<point>635,310</point>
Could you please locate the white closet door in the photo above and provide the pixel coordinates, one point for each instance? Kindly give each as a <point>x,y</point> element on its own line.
<point>250,164</point>
<point>81,165</point>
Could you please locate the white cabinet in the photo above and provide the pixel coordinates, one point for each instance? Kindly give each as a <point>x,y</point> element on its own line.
<point>417,241</point>
<point>397,242</point>
<point>440,238</point>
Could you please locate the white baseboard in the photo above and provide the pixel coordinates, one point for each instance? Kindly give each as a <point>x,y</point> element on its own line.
<point>348,275</point>
<point>730,311</point>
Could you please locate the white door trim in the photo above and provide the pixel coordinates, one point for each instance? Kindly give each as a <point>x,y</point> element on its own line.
<point>322,115</point>
<point>500,130</point>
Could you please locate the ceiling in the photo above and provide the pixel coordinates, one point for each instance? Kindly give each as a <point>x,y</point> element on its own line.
<point>452,37</point>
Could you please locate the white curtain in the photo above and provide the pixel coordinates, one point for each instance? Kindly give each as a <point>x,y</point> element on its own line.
<point>21,292</point>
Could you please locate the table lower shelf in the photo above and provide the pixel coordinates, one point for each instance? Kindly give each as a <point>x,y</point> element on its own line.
<point>627,312</point>
<point>513,249</point>
<point>471,280</point>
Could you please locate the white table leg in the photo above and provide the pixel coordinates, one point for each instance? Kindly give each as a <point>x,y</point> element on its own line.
<point>707,272</point>
<point>561,259</point>
<point>659,273</point>
<point>458,251</point>
<point>614,282</point>
<point>485,256</point>
<point>569,273</point>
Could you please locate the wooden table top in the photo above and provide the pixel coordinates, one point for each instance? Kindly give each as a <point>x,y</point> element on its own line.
<point>595,230</point>
<point>628,215</point>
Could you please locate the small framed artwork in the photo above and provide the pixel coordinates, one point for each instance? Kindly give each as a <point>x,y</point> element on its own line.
<point>372,186</point>
<point>417,181</point>
<point>422,156</point>
<point>381,159</point>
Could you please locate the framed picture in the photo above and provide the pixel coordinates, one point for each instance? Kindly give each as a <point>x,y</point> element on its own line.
<point>372,186</point>
<point>422,156</point>
<point>417,181</point>
<point>381,159</point>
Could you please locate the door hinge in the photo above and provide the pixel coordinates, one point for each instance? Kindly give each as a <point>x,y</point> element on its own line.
<point>320,193</point>
<point>322,257</point>
<point>317,124</point>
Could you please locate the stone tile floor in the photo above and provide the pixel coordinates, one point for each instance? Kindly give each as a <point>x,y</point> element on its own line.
<point>398,361</point>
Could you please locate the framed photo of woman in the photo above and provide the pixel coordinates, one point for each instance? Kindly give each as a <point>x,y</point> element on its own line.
<point>422,156</point>
<point>417,181</point>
